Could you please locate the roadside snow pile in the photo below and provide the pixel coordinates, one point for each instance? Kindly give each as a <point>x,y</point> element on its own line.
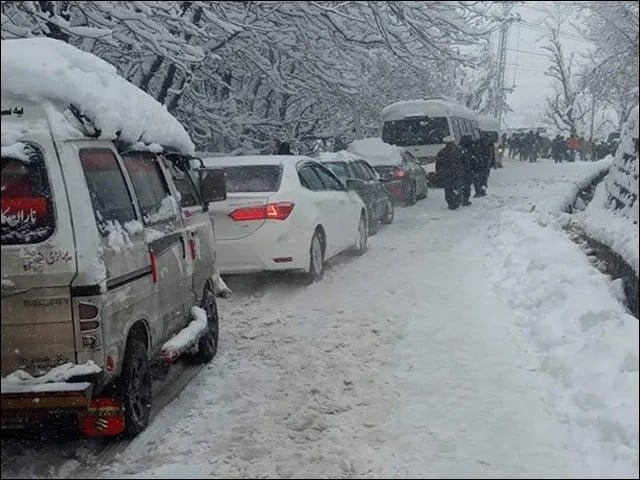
<point>587,342</point>
<point>44,69</point>
<point>188,335</point>
<point>615,231</point>
<point>611,218</point>
<point>54,380</point>
<point>560,196</point>
<point>376,152</point>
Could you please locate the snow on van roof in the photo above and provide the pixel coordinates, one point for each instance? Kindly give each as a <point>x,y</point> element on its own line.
<point>487,123</point>
<point>432,107</point>
<point>376,152</point>
<point>48,70</point>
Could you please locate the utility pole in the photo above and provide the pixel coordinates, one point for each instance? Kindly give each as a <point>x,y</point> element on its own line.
<point>499,92</point>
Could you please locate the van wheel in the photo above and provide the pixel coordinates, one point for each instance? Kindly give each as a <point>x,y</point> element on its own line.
<point>208,343</point>
<point>316,260</point>
<point>135,382</point>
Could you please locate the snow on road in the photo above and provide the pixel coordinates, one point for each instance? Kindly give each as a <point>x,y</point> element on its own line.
<point>419,359</point>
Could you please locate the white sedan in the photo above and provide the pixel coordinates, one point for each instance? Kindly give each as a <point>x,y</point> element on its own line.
<point>284,213</point>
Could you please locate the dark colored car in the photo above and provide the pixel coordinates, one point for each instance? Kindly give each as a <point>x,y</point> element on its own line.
<point>349,167</point>
<point>406,181</point>
<point>404,178</point>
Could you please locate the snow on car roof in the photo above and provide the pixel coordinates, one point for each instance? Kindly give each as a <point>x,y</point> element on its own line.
<point>432,107</point>
<point>341,156</point>
<point>376,152</point>
<point>252,160</point>
<point>48,70</point>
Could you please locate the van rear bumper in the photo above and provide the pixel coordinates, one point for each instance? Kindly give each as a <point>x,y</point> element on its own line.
<point>21,403</point>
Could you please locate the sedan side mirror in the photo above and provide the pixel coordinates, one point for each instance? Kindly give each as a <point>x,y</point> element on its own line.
<point>213,187</point>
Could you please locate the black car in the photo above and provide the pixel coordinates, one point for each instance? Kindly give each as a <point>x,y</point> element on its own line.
<point>367,183</point>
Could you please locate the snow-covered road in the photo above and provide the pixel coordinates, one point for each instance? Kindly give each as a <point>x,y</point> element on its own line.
<point>411,361</point>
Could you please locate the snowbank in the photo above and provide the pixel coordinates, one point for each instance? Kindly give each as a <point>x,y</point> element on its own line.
<point>611,218</point>
<point>587,342</point>
<point>376,152</point>
<point>44,69</point>
<point>561,196</point>
<point>615,231</point>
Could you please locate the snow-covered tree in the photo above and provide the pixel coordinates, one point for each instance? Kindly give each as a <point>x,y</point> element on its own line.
<point>242,75</point>
<point>564,108</point>
<point>612,70</point>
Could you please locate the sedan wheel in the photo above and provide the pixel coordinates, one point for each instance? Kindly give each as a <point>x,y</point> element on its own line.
<point>388,216</point>
<point>316,260</point>
<point>363,237</point>
<point>411,197</point>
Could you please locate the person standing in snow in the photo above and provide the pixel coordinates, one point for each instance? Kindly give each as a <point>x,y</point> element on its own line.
<point>485,159</point>
<point>469,167</point>
<point>572,147</point>
<point>449,162</point>
<point>283,148</point>
<point>558,148</point>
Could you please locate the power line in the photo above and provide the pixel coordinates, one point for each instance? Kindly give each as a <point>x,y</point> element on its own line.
<point>525,69</point>
<point>548,30</point>
<point>526,51</point>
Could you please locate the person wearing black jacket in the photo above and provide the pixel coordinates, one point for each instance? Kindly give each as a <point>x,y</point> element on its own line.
<point>469,166</point>
<point>451,170</point>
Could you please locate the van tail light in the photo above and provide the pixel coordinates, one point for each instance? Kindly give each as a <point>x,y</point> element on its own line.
<point>398,172</point>
<point>87,311</point>
<point>271,211</point>
<point>154,266</point>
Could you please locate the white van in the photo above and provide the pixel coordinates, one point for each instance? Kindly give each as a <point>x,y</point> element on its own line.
<point>419,126</point>
<point>108,253</point>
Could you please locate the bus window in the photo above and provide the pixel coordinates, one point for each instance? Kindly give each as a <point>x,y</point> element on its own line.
<point>415,131</point>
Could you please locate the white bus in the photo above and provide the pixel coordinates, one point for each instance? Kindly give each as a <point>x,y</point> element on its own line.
<point>419,126</point>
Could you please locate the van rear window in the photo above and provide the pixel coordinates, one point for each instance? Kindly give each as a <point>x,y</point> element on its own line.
<point>253,178</point>
<point>27,210</point>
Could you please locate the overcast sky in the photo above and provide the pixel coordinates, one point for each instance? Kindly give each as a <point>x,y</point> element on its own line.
<point>525,68</point>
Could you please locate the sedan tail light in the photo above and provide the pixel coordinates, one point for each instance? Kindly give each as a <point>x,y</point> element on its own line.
<point>271,211</point>
<point>398,172</point>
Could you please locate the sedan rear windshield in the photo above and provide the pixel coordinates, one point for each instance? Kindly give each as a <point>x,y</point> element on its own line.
<point>253,178</point>
<point>27,210</point>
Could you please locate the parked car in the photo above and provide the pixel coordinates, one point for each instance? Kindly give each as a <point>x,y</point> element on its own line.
<point>102,274</point>
<point>404,178</point>
<point>366,181</point>
<point>285,213</point>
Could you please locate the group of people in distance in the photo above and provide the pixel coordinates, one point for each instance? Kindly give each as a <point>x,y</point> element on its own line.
<point>460,166</point>
<point>530,146</point>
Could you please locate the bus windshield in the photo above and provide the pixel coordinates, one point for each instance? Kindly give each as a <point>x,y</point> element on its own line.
<point>415,131</point>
